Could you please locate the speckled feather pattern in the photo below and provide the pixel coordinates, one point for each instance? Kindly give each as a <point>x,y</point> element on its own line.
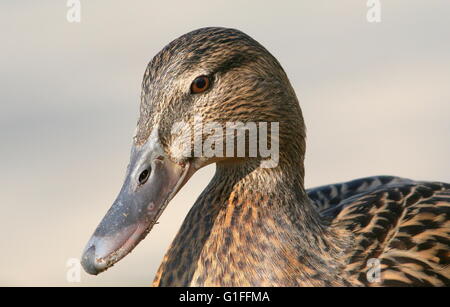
<point>259,227</point>
<point>403,223</point>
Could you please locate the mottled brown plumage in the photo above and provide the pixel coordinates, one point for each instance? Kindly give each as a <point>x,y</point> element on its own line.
<point>256,226</point>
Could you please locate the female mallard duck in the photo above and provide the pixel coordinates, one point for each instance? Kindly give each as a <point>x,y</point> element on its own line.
<point>256,225</point>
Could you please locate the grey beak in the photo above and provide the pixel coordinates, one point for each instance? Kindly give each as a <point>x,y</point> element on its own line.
<point>137,207</point>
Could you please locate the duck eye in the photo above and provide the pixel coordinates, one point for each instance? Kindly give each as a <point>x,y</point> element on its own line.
<point>144,176</point>
<point>200,84</point>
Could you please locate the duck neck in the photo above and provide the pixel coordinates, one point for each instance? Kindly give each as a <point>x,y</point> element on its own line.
<point>268,226</point>
<point>255,227</point>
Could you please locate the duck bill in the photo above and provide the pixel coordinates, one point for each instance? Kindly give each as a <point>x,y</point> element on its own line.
<point>136,208</point>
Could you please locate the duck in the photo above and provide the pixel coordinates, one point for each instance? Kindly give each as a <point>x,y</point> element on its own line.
<point>255,224</point>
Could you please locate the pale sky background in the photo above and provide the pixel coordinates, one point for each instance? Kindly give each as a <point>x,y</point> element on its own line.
<point>376,99</point>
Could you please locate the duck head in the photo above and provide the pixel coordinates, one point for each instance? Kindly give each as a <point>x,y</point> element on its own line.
<point>212,75</point>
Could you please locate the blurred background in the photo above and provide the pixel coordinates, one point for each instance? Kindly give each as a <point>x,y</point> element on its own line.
<point>375,96</point>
